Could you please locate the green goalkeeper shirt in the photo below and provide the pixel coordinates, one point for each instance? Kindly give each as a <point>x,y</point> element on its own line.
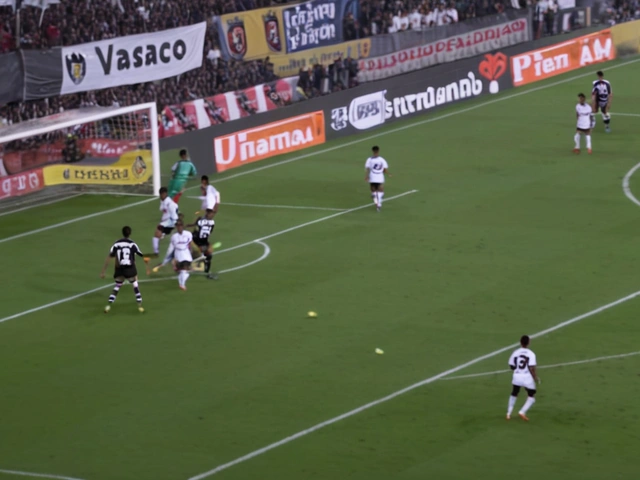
<point>183,169</point>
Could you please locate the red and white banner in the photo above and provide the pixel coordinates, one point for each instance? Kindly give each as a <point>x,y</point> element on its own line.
<point>450,49</point>
<point>21,183</point>
<point>225,107</point>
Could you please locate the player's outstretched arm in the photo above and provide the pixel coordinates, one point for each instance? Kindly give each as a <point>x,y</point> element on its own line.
<point>107,261</point>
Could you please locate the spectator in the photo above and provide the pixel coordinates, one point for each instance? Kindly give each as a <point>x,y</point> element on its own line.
<point>415,19</point>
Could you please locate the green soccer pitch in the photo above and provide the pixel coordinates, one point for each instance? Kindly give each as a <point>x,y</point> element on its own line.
<point>492,228</point>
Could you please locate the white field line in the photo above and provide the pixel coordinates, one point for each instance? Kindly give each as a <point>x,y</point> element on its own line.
<point>408,389</point>
<point>292,207</point>
<point>265,254</point>
<point>615,114</point>
<point>41,204</point>
<point>257,240</point>
<point>73,220</point>
<point>340,146</point>
<point>539,367</point>
<point>37,475</point>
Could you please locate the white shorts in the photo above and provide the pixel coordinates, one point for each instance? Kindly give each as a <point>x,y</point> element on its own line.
<point>183,255</point>
<point>168,224</point>
<point>524,380</point>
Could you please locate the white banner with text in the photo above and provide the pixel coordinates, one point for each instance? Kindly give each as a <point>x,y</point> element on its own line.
<point>132,59</point>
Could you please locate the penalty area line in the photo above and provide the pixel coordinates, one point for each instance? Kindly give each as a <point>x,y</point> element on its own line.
<point>36,475</point>
<point>291,207</point>
<point>545,367</point>
<point>405,390</point>
<point>266,253</point>
<point>260,241</point>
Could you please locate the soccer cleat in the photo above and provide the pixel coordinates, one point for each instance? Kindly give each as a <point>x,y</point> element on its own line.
<point>217,245</point>
<point>508,417</point>
<point>589,152</point>
<point>607,129</point>
<point>107,309</point>
<point>378,208</point>
<point>576,151</point>
<point>155,269</point>
<point>141,309</point>
<point>524,417</point>
<point>212,276</point>
<point>183,288</point>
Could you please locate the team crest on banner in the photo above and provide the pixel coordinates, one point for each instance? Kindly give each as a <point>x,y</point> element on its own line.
<point>237,38</point>
<point>76,67</point>
<point>272,31</point>
<point>139,167</point>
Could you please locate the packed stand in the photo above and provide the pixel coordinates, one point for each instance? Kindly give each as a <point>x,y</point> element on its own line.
<point>80,21</point>
<point>619,11</point>
<point>390,16</point>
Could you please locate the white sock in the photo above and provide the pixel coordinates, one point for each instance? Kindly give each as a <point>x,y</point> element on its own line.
<point>181,278</point>
<point>381,195</point>
<point>577,140</point>
<point>589,141</point>
<point>156,245</point>
<point>527,405</point>
<point>512,403</point>
<point>374,195</point>
<point>186,276</point>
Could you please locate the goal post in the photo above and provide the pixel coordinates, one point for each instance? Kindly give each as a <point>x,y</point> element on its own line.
<point>86,150</point>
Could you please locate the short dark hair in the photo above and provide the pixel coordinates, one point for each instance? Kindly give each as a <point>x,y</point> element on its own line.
<point>581,95</point>
<point>524,340</point>
<point>126,232</point>
<point>163,190</point>
<point>375,148</point>
<point>599,73</point>
<point>204,177</point>
<point>183,152</point>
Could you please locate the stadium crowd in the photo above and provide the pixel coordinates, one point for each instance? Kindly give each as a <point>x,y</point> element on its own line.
<point>79,21</point>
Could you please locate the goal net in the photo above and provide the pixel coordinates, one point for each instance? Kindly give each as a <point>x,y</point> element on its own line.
<point>88,150</point>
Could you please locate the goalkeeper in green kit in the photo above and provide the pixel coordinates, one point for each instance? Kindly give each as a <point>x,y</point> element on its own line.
<point>182,171</point>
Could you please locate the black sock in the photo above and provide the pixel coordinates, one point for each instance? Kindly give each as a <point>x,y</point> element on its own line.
<point>207,263</point>
<point>606,121</point>
<point>114,293</point>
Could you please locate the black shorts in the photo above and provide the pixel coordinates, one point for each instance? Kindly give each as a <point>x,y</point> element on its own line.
<point>165,230</point>
<point>203,244</point>
<point>584,130</point>
<point>184,265</point>
<point>125,272</point>
<point>375,186</point>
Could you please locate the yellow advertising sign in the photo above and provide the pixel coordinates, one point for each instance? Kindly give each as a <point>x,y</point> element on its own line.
<point>252,35</point>
<point>132,168</point>
<point>290,65</point>
<point>626,37</point>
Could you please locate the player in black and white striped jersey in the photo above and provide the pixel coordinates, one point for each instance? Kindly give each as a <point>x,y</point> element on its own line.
<point>124,251</point>
<point>601,96</point>
<point>203,228</point>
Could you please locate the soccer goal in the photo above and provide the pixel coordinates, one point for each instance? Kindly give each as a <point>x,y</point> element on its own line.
<point>88,150</point>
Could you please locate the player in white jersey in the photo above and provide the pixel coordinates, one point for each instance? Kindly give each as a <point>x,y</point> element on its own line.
<point>523,363</point>
<point>376,167</point>
<point>210,196</point>
<point>601,96</point>
<point>170,216</point>
<point>179,252</point>
<point>583,127</point>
